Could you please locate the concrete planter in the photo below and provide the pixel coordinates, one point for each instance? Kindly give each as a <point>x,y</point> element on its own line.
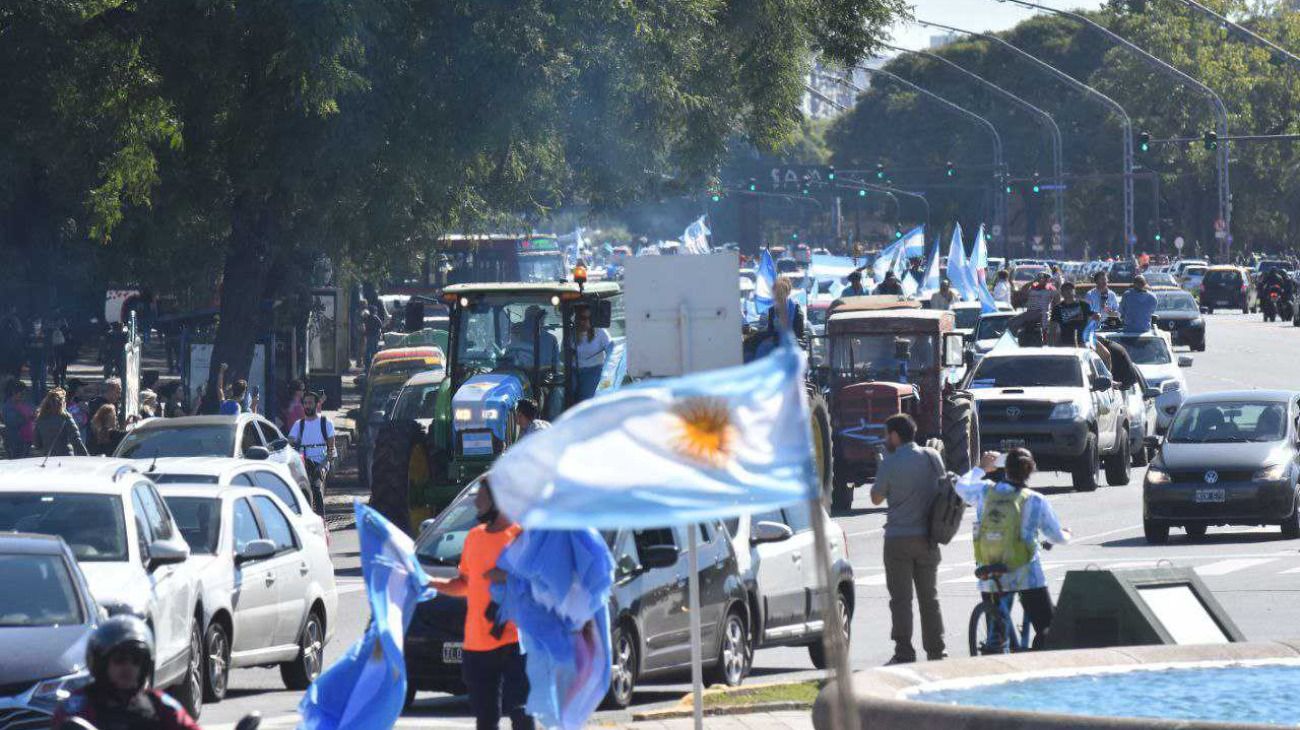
<point>883,702</point>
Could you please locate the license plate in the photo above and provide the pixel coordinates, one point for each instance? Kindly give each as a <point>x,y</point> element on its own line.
<point>1013,444</point>
<point>476,444</point>
<point>1224,303</point>
<point>452,653</point>
<point>1210,495</point>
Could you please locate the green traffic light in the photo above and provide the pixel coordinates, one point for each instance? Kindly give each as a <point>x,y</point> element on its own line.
<point>1008,190</point>
<point>716,197</point>
<point>794,236</point>
<point>862,193</point>
<point>1036,190</point>
<point>897,233</point>
<point>1159,237</point>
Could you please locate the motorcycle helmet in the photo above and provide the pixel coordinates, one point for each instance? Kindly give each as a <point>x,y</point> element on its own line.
<point>120,633</point>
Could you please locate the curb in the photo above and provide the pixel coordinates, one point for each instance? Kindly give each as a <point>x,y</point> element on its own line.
<point>678,713</point>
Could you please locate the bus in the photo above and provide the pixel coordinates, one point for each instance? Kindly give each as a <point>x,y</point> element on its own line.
<point>480,259</point>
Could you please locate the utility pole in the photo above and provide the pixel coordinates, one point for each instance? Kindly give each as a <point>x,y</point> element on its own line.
<point>1053,130</point>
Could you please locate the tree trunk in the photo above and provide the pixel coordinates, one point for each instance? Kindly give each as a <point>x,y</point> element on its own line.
<point>243,316</point>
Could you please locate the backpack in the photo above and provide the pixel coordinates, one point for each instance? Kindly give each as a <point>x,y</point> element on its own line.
<point>998,538</point>
<point>947,508</point>
<point>297,442</point>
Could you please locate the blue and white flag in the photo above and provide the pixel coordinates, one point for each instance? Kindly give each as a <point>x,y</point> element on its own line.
<point>979,256</point>
<point>957,264</point>
<point>886,259</point>
<point>764,281</point>
<point>614,371</point>
<point>978,278</point>
<point>696,238</point>
<point>914,243</point>
<point>668,452</point>
<point>930,282</point>
<point>366,687</point>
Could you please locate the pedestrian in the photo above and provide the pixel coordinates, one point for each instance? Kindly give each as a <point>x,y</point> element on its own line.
<point>1010,519</point>
<point>890,285</point>
<point>110,391</point>
<point>313,436</point>
<point>77,406</point>
<point>293,411</point>
<point>104,432</point>
<point>907,481</point>
<point>1002,288</point>
<point>526,420</point>
<point>492,665</point>
<point>1138,307</point>
<point>19,419</point>
<point>591,345</point>
<point>56,433</point>
<point>854,289</point>
<point>944,298</point>
<point>373,326</point>
<point>173,400</point>
<point>1070,317</point>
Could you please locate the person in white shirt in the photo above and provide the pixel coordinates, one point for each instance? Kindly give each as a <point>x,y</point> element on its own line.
<point>944,298</point>
<point>1002,288</point>
<point>591,345</point>
<point>313,435</point>
<point>1102,299</point>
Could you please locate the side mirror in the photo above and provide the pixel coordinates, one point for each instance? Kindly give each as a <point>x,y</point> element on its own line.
<point>1151,442</point>
<point>1184,361</point>
<point>257,453</point>
<point>278,445</point>
<point>602,313</point>
<point>167,552</point>
<point>658,556</point>
<point>426,524</point>
<point>1150,393</point>
<point>770,532</point>
<point>256,550</point>
<point>954,350</point>
<point>1101,383</point>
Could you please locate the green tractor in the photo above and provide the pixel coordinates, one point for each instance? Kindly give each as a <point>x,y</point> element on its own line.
<point>507,341</point>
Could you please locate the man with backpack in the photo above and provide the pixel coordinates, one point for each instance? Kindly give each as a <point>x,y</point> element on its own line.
<point>908,480</point>
<point>1010,520</point>
<point>313,435</point>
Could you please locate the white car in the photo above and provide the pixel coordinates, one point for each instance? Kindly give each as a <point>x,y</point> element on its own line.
<point>246,435</point>
<point>228,472</point>
<point>776,554</point>
<point>267,587</point>
<point>1154,358</point>
<point>128,546</point>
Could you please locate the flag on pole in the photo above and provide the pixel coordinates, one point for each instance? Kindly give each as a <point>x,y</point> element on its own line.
<point>956,271</point>
<point>930,283</point>
<point>673,452</point>
<point>696,238</point>
<point>764,281</point>
<point>366,688</point>
<point>913,245</point>
<point>979,257</point>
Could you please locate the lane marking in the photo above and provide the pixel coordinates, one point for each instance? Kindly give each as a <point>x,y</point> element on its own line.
<point>1224,567</point>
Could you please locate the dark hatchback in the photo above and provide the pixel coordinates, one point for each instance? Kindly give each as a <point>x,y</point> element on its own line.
<point>1228,287</point>
<point>648,616</point>
<point>1178,314</point>
<point>1230,458</point>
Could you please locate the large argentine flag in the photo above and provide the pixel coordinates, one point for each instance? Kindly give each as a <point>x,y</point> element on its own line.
<point>764,281</point>
<point>668,452</point>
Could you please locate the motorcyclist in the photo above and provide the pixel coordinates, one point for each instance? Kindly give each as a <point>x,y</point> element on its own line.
<point>119,655</point>
<point>1275,277</point>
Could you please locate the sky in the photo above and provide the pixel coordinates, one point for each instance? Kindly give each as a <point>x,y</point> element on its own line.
<point>975,15</point>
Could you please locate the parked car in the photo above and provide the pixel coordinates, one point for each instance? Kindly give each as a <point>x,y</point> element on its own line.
<point>226,472</point>
<point>1231,458</point>
<point>987,333</point>
<point>648,617</point>
<point>1228,287</point>
<point>778,558</point>
<point>266,587</point>
<point>246,435</point>
<point>46,615</point>
<point>1179,315</point>
<point>379,387</point>
<point>126,541</point>
<point>1153,357</point>
<point>1191,279</point>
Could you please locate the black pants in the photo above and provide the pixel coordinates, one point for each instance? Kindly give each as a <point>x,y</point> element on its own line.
<point>1038,609</point>
<point>497,686</point>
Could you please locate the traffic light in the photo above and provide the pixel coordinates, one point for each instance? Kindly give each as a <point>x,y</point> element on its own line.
<point>1210,140</point>
<point>1159,237</point>
<point>794,236</point>
<point>807,181</point>
<point>862,192</point>
<point>715,194</point>
<point>753,185</point>
<point>1037,188</point>
<point>1009,189</point>
<point>830,173</point>
<point>898,233</point>
<point>1144,142</point>
<point>949,170</point>
<point>880,171</point>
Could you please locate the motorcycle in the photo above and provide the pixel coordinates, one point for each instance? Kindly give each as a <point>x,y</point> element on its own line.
<point>1274,302</point>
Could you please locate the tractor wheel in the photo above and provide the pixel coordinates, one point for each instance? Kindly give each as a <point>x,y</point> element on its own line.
<point>961,435</point>
<point>390,481</point>
<point>823,460</point>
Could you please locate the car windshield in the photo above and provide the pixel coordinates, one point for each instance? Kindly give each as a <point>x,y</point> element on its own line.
<point>991,328</point>
<point>1028,372</point>
<point>1223,278</point>
<point>92,524</point>
<point>1145,350</point>
<point>46,597</point>
<point>875,357</point>
<point>1160,279</point>
<point>542,267</point>
<point>1175,301</point>
<point>967,317</point>
<point>1191,271</point>
<point>1229,422</point>
<point>416,401</point>
<point>182,478</point>
<point>206,440</point>
<point>1122,273</point>
<point>817,315</point>
<point>200,521</point>
<point>1027,273</point>
<point>509,331</point>
<point>442,544</point>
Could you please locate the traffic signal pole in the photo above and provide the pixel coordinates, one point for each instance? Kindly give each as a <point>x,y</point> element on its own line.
<point>1216,106</point>
<point>999,168</point>
<point>1053,130</point>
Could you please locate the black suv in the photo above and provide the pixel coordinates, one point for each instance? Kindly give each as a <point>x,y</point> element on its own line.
<point>648,616</point>
<point>1228,287</point>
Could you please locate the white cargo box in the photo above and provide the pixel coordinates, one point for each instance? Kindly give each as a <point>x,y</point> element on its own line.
<point>683,314</point>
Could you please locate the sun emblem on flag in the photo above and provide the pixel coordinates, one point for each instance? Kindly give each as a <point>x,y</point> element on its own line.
<point>704,431</point>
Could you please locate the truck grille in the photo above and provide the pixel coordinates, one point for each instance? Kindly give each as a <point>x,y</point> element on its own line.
<point>1198,476</point>
<point>1013,412</point>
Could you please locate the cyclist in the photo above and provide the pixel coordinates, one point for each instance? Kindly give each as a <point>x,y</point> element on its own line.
<point>1009,520</point>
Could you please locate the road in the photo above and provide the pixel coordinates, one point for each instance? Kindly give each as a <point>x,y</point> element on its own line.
<point>1252,571</point>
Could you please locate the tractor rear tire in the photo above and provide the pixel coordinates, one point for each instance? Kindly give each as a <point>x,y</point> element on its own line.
<point>390,484</point>
<point>823,458</point>
<point>961,436</point>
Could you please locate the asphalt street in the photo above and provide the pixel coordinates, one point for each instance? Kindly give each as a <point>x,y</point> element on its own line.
<point>1253,572</point>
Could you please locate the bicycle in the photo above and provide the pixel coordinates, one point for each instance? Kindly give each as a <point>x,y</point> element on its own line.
<point>997,611</point>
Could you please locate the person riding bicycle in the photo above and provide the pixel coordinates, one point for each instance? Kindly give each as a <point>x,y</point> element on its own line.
<point>119,655</point>
<point>313,435</point>
<point>1009,520</point>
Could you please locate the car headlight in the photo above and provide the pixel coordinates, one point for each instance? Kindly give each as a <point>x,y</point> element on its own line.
<point>490,414</point>
<point>1065,411</point>
<point>54,691</point>
<point>1275,473</point>
<point>464,414</point>
<point>1158,476</point>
